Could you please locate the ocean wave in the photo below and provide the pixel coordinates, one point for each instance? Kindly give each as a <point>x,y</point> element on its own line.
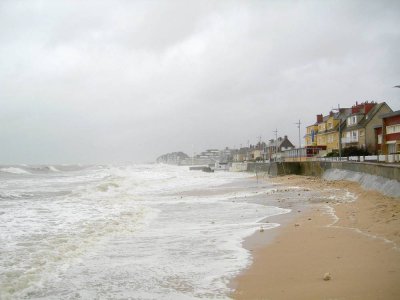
<point>44,168</point>
<point>29,263</point>
<point>54,169</point>
<point>14,195</point>
<point>104,187</point>
<point>14,170</point>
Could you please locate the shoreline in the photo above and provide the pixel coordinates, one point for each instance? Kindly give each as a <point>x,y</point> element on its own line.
<point>357,242</point>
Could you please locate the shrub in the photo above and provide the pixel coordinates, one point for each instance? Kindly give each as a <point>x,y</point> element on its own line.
<point>354,151</point>
<point>334,153</point>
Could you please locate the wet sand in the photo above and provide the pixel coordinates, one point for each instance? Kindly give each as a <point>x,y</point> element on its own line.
<point>357,242</point>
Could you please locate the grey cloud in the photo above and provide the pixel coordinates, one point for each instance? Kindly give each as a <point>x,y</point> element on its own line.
<point>106,81</point>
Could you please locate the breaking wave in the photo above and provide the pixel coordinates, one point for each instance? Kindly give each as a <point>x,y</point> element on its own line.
<point>14,170</point>
<point>386,186</point>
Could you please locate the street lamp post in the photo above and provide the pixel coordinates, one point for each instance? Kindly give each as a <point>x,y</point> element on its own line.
<point>340,133</point>
<point>276,143</point>
<point>298,152</point>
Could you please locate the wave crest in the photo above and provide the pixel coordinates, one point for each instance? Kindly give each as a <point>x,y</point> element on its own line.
<point>14,170</point>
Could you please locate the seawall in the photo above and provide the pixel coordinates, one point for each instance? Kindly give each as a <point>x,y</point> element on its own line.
<point>318,168</point>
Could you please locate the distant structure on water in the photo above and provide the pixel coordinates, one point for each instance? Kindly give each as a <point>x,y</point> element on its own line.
<point>173,158</point>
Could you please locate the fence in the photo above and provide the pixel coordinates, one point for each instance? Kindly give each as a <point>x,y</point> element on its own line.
<point>388,158</point>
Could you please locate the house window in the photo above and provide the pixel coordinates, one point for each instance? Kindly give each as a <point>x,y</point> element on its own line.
<point>392,129</point>
<point>352,120</point>
<point>380,139</point>
<point>391,148</point>
<point>351,136</point>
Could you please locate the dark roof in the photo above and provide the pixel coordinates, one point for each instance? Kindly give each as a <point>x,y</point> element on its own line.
<point>368,117</point>
<point>391,114</point>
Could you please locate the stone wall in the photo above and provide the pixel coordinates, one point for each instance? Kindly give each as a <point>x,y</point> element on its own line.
<point>317,168</point>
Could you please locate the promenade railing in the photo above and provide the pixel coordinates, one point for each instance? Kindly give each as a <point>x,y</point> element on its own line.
<point>383,158</point>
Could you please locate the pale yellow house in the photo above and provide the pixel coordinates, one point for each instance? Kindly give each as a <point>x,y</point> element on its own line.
<point>328,132</point>
<point>321,135</point>
<point>255,154</point>
<point>311,135</point>
<point>325,132</point>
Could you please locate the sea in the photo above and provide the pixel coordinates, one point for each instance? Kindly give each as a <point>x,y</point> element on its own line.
<point>126,231</point>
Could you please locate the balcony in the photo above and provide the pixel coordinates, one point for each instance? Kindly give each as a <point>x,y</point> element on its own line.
<point>349,140</point>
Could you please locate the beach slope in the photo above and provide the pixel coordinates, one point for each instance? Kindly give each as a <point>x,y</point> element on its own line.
<point>356,242</point>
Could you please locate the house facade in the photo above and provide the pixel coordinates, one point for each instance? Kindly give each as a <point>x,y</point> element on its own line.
<point>390,133</point>
<point>361,123</point>
<point>274,147</point>
<point>325,132</point>
<point>241,155</point>
<point>311,135</point>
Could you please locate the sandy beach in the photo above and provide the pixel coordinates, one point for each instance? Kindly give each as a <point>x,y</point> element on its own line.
<point>357,242</point>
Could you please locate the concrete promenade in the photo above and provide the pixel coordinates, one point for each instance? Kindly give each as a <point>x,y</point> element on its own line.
<point>317,168</point>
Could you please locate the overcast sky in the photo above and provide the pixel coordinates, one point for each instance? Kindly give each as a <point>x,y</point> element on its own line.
<point>115,81</point>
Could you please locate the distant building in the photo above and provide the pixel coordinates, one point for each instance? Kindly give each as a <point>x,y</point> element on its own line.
<point>173,158</point>
<point>257,151</point>
<point>242,154</point>
<point>274,148</point>
<point>210,156</point>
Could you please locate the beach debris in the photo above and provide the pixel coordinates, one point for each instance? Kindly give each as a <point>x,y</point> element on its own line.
<point>296,225</point>
<point>212,222</point>
<point>327,276</point>
<point>299,210</point>
<point>309,219</point>
<point>261,229</point>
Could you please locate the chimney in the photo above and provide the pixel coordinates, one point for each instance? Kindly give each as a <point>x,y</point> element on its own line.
<point>285,137</point>
<point>368,106</point>
<point>319,118</point>
<point>356,108</point>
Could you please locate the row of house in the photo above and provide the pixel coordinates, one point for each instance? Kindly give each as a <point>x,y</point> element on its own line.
<point>273,150</point>
<point>370,126</point>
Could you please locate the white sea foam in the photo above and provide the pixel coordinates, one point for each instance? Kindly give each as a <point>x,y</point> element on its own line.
<point>341,195</point>
<point>124,231</point>
<point>53,169</point>
<point>14,170</point>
